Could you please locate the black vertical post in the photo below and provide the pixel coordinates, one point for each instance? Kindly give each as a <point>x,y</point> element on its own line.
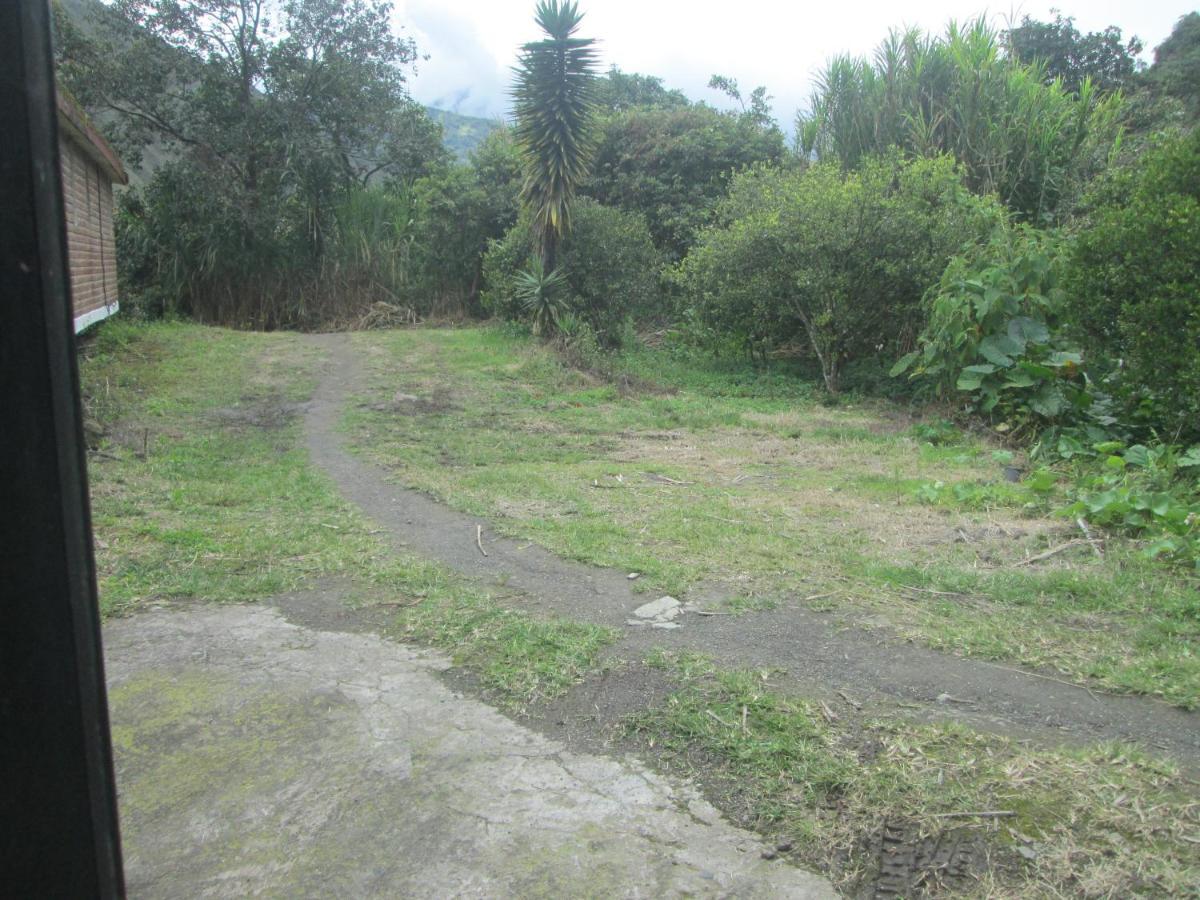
<point>58,813</point>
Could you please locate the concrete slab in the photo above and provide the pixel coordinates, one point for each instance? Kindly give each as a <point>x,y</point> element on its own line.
<point>259,757</point>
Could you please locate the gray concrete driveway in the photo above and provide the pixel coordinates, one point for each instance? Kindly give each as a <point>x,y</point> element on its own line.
<point>257,757</point>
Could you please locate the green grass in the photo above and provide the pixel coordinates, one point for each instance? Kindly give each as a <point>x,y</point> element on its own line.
<point>518,658</point>
<point>191,495</point>
<point>695,471</point>
<point>201,490</point>
<point>1105,821</point>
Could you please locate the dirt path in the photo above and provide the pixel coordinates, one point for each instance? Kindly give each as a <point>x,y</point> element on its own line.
<point>819,659</point>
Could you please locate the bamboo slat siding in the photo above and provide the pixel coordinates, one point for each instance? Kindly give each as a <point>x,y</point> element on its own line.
<point>89,168</point>
<point>91,248</point>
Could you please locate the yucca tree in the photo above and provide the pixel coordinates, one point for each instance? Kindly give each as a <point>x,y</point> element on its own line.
<point>555,111</point>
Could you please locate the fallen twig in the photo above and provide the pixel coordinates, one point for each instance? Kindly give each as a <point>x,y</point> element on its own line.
<point>1087,533</point>
<point>950,698</point>
<point>664,479</point>
<point>909,587</point>
<point>849,699</point>
<point>830,715</point>
<point>745,712</point>
<point>1082,687</point>
<point>975,814</point>
<point>1053,551</point>
<point>719,719</point>
<point>712,612</point>
<point>479,539</point>
<point>819,596</point>
<point>719,519</point>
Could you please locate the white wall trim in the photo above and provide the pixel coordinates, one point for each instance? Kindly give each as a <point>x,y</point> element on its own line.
<point>96,315</point>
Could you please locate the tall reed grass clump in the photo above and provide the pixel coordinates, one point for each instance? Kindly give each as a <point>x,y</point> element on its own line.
<point>1018,135</point>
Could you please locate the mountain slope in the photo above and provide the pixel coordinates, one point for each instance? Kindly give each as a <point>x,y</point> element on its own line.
<point>462,134</point>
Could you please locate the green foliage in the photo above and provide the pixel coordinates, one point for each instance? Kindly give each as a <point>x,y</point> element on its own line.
<point>994,333</point>
<point>188,247</point>
<point>457,211</point>
<point>1150,492</point>
<point>1029,142</point>
<point>267,138</point>
<point>610,263</point>
<point>555,109</point>
<point>1133,283</point>
<point>463,135</point>
<point>1176,69</point>
<point>939,433</point>
<point>618,91</point>
<point>1102,57</point>
<point>673,164</point>
<point>757,111</point>
<point>835,261</point>
<point>540,294</point>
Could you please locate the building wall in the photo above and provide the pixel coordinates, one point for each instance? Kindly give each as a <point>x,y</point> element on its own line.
<point>91,246</point>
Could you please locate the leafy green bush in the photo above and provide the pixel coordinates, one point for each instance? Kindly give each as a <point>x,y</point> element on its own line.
<point>1147,492</point>
<point>994,334</point>
<point>610,264</point>
<point>672,165</point>
<point>1133,285</point>
<point>833,261</point>
<point>456,212</point>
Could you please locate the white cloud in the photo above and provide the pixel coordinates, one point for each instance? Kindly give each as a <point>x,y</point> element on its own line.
<point>781,45</point>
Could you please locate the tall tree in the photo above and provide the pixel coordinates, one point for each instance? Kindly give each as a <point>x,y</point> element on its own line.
<point>673,165</point>
<point>1103,57</point>
<point>1176,69</point>
<point>555,109</point>
<point>265,119</point>
<point>618,91</point>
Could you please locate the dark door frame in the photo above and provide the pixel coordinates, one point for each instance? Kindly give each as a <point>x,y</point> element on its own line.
<point>58,811</point>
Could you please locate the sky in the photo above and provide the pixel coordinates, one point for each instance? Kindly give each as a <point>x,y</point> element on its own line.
<point>473,43</point>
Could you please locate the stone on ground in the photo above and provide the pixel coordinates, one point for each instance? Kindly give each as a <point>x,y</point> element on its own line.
<point>660,613</point>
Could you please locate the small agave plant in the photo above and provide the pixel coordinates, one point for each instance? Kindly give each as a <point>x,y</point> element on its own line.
<point>542,295</point>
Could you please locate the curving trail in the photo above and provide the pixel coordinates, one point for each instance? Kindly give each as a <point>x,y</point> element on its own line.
<point>819,659</point>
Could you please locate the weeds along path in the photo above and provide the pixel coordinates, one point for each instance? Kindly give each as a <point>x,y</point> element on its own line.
<point>843,665</point>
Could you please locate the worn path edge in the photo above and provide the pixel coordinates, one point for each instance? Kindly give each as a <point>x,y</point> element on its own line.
<point>817,656</point>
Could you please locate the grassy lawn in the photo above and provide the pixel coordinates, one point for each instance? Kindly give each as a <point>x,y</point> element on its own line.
<point>1101,822</point>
<point>201,490</point>
<point>694,473</point>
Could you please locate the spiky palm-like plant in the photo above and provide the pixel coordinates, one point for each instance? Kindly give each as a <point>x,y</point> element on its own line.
<point>541,294</point>
<point>555,111</point>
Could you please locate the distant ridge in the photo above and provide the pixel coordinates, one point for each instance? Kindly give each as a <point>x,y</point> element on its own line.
<point>462,134</point>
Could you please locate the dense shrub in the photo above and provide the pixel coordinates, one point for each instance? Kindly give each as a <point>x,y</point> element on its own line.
<point>836,261</point>
<point>994,334</point>
<point>609,260</point>
<point>457,212</point>
<point>1133,285</point>
<point>1028,141</point>
<point>672,165</point>
<point>187,246</point>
